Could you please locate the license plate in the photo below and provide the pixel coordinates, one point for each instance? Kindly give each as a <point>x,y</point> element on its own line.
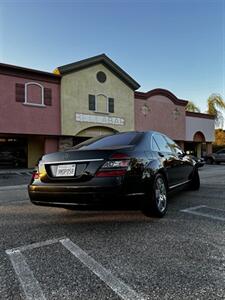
<point>65,170</point>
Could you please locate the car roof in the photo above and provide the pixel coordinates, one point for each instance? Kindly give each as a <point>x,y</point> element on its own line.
<point>136,131</point>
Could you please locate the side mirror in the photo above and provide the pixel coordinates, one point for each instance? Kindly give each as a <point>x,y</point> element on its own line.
<point>181,155</point>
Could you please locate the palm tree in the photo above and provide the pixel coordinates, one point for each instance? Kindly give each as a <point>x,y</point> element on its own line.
<point>192,107</point>
<point>215,104</point>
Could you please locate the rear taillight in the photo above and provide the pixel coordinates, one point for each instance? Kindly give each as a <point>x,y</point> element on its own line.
<point>38,171</point>
<point>35,175</point>
<point>116,166</point>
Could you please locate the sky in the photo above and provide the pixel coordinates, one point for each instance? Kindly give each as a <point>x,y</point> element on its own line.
<point>178,45</point>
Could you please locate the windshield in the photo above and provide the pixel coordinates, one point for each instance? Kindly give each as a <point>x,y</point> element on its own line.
<point>120,139</point>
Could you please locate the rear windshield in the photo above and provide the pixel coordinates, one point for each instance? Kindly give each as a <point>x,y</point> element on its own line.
<point>120,139</point>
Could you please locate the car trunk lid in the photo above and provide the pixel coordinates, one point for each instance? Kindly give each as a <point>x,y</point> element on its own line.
<point>76,165</point>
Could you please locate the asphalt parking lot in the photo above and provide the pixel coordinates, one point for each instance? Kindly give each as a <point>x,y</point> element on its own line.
<point>10,177</point>
<point>52,253</point>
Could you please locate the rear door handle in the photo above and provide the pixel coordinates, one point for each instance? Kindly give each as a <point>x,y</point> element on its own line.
<point>160,154</point>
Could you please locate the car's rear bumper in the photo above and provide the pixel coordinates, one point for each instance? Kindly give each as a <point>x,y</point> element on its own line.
<point>80,196</point>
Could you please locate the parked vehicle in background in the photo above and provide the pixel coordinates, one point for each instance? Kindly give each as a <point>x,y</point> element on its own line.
<point>115,171</point>
<point>200,161</point>
<point>216,157</point>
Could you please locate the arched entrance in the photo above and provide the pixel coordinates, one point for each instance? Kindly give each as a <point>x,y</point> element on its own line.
<point>93,131</point>
<point>199,137</point>
<point>197,146</point>
<point>200,145</point>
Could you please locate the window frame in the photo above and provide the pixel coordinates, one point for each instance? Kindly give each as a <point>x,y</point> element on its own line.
<point>107,104</point>
<point>26,100</point>
<point>153,139</point>
<point>176,147</point>
<point>153,136</point>
<point>89,95</point>
<point>111,98</point>
<point>132,136</point>
<point>99,73</point>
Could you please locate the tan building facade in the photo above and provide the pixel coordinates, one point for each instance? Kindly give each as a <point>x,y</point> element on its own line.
<point>97,98</point>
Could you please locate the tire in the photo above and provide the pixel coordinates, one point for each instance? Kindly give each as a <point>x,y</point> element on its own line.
<point>195,181</point>
<point>156,199</point>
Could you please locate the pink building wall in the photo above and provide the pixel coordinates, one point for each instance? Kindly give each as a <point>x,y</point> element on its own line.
<point>18,118</point>
<point>51,145</point>
<point>157,111</point>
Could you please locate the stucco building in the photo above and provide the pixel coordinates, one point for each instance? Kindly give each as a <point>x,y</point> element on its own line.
<point>97,97</point>
<point>29,112</point>
<point>43,112</point>
<point>162,111</point>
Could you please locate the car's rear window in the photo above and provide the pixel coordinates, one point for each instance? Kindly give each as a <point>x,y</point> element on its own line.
<point>120,139</point>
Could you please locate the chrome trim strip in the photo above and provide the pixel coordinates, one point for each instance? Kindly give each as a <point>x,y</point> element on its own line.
<point>71,161</point>
<point>176,185</point>
<point>61,203</point>
<point>135,194</point>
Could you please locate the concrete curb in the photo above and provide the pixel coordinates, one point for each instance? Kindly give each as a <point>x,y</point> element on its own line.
<point>13,187</point>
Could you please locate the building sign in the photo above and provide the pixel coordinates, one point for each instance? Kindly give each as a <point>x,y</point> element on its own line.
<point>99,119</point>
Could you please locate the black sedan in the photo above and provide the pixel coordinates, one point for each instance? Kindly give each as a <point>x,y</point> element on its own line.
<point>120,170</point>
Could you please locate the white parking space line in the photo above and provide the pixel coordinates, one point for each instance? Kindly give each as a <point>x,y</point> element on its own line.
<point>31,287</point>
<point>119,287</point>
<point>36,245</point>
<point>193,208</point>
<point>193,211</point>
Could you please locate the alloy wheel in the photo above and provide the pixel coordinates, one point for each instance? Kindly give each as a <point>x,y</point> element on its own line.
<point>160,194</point>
